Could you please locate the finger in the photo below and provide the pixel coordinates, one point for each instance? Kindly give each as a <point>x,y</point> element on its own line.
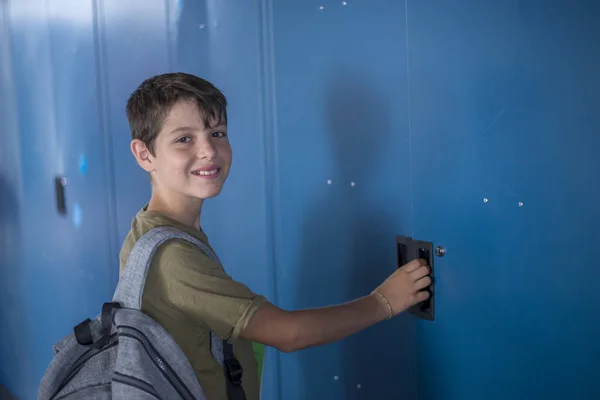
<point>413,265</point>
<point>423,283</point>
<point>420,272</point>
<point>422,296</point>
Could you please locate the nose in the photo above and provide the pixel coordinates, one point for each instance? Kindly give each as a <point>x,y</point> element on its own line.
<point>206,149</point>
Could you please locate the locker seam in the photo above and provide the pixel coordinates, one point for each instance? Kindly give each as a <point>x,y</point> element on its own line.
<point>409,122</point>
<point>268,107</point>
<point>101,87</point>
<point>55,125</point>
<point>16,122</point>
<point>410,174</point>
<point>168,34</point>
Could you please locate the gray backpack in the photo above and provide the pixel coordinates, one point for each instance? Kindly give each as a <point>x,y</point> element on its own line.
<point>125,354</point>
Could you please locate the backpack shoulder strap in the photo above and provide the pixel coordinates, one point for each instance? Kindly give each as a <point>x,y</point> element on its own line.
<point>131,288</point>
<point>131,284</point>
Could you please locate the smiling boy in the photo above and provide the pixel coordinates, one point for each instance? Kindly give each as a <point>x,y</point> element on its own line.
<point>179,136</point>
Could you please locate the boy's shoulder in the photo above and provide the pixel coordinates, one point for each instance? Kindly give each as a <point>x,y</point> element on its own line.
<point>145,221</point>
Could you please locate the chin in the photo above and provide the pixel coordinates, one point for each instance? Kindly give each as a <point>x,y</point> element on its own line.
<point>207,193</point>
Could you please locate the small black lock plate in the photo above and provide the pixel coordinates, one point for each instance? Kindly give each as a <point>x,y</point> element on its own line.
<point>59,187</point>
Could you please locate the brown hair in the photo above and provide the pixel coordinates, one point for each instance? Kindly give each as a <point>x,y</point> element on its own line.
<point>149,105</point>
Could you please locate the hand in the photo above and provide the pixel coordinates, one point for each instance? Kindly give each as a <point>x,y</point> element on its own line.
<point>404,288</point>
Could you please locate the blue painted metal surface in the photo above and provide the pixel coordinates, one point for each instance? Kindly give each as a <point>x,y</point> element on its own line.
<point>15,354</point>
<point>469,124</point>
<point>342,117</point>
<point>223,41</point>
<point>197,37</point>
<point>504,99</point>
<point>62,271</point>
<point>132,49</point>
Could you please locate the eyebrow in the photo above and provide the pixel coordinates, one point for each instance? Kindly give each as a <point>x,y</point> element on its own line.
<point>183,129</point>
<point>193,129</point>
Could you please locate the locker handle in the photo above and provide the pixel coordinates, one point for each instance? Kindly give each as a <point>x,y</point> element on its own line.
<point>425,254</point>
<point>408,250</point>
<point>60,182</point>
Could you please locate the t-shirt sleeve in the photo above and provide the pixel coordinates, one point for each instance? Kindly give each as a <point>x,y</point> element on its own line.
<point>186,279</point>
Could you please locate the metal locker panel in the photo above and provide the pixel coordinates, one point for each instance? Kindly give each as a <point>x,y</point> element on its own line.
<point>223,41</point>
<point>219,41</point>
<point>41,243</point>
<point>14,352</point>
<point>343,164</point>
<point>504,129</point>
<point>235,220</point>
<point>67,264</point>
<point>135,45</point>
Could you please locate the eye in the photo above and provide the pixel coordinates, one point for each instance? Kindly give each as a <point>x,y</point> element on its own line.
<point>184,139</point>
<point>219,134</point>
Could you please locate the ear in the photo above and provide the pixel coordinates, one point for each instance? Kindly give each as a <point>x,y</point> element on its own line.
<point>142,155</point>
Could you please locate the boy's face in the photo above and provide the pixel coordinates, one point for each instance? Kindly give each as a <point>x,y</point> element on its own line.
<point>190,160</point>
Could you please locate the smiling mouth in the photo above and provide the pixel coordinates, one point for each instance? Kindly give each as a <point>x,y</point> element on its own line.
<point>207,174</point>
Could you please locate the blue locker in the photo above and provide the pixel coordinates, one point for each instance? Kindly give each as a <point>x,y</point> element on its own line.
<point>196,37</point>
<point>134,44</point>
<point>224,41</point>
<point>66,261</point>
<point>504,121</point>
<point>343,168</point>
<point>14,352</point>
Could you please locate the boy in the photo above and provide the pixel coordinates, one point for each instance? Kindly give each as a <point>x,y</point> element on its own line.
<point>179,130</point>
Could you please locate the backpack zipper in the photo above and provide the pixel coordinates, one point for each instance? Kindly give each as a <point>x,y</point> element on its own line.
<point>136,383</point>
<point>113,341</point>
<point>159,361</point>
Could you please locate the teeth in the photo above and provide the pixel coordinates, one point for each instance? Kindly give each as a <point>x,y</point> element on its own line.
<point>211,172</point>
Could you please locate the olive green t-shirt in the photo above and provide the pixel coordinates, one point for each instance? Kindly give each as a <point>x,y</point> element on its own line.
<point>190,295</point>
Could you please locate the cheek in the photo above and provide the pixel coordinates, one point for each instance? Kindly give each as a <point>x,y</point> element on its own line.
<point>225,152</point>
<point>178,163</point>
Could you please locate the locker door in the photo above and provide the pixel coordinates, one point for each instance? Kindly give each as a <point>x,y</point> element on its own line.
<point>504,99</point>
<point>134,49</point>
<point>14,353</point>
<point>68,264</point>
<point>343,167</point>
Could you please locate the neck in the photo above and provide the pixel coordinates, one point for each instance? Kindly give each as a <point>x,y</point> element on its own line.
<point>182,209</point>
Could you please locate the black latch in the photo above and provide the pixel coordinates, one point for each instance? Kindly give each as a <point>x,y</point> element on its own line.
<point>59,188</point>
<point>407,250</point>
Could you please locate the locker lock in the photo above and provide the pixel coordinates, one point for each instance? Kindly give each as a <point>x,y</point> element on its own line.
<point>440,251</point>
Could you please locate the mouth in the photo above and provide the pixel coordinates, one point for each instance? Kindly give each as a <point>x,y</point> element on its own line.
<point>207,173</point>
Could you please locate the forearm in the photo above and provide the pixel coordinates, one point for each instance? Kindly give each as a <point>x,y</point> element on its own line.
<point>296,330</point>
<point>320,326</point>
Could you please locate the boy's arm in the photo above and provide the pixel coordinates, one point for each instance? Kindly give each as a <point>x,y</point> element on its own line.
<point>296,330</point>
